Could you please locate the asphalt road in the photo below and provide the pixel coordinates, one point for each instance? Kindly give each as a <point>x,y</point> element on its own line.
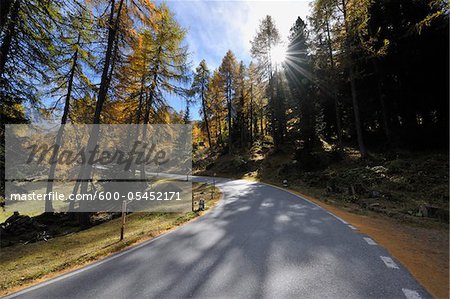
<point>259,242</point>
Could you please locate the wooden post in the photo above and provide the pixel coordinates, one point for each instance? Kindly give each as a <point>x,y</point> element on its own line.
<point>124,213</point>
<point>213,186</point>
<point>201,204</point>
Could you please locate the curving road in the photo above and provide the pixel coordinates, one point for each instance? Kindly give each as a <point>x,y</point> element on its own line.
<point>259,242</point>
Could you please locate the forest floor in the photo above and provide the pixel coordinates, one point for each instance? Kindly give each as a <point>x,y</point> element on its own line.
<point>400,200</point>
<point>26,265</point>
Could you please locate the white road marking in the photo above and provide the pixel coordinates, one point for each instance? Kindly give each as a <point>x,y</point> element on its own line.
<point>341,220</point>
<point>389,262</point>
<point>370,241</point>
<point>410,294</point>
<point>352,227</point>
<point>305,199</point>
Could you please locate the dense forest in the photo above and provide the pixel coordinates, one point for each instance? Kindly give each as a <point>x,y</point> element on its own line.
<point>369,75</point>
<point>373,74</point>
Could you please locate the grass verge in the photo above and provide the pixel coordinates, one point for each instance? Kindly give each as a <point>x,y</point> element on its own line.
<point>24,265</point>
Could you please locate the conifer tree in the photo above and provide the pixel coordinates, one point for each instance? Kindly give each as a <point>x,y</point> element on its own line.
<point>227,71</point>
<point>199,88</point>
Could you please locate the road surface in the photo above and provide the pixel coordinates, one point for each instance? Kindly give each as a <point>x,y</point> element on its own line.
<point>259,242</point>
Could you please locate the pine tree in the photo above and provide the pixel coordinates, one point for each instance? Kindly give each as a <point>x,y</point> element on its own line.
<point>326,64</point>
<point>265,40</point>
<point>348,43</point>
<point>301,83</point>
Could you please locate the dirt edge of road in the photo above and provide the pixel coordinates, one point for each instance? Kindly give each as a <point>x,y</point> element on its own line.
<point>423,251</point>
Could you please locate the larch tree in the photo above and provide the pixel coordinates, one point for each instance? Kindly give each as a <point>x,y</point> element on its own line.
<point>28,30</point>
<point>168,67</point>
<point>256,102</point>
<point>199,88</point>
<point>227,71</point>
<point>141,10</point>
<point>69,76</point>
<point>217,104</point>
<point>158,66</point>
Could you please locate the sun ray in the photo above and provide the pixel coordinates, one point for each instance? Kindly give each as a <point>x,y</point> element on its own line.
<point>278,54</point>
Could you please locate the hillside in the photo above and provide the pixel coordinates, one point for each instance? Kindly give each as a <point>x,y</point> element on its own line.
<point>411,186</point>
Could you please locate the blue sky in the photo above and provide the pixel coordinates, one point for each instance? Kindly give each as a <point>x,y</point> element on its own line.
<point>214,27</point>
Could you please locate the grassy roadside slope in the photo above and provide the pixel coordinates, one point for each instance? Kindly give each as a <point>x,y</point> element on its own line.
<point>24,265</point>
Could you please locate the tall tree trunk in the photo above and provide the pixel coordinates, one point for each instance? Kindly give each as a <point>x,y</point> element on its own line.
<point>103,91</point>
<point>251,114</point>
<point>7,39</point>
<point>105,79</point>
<point>334,91</point>
<point>149,103</point>
<point>137,121</point>
<point>280,111</point>
<point>272,113</point>
<point>230,140</point>
<point>381,98</point>
<point>59,136</point>
<point>205,115</point>
<point>358,126</point>
<point>216,133</point>
<point>359,132</point>
<point>219,125</point>
<point>261,117</point>
<point>241,124</point>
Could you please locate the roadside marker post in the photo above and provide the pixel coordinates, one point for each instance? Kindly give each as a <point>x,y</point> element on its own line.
<point>188,171</point>
<point>124,213</point>
<point>214,186</point>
